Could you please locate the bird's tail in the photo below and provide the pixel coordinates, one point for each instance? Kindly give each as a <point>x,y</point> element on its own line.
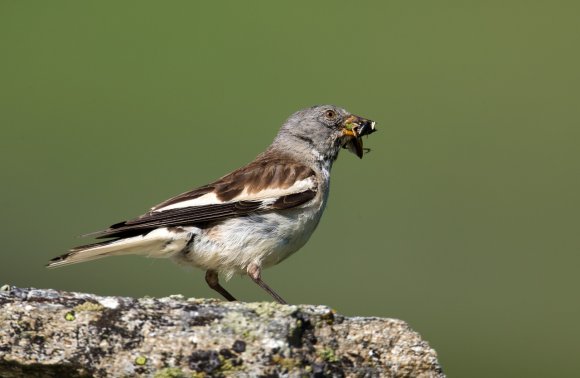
<point>154,244</point>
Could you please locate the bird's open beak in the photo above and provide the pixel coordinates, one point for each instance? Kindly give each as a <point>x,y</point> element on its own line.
<point>353,129</point>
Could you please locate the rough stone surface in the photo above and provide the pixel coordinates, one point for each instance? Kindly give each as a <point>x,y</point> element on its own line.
<point>48,333</point>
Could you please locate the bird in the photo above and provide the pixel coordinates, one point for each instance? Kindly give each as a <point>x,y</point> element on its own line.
<point>250,219</point>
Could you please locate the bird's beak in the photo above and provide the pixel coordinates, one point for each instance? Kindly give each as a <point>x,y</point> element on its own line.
<point>353,129</point>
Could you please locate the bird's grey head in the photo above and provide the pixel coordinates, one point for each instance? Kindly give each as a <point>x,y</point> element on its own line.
<point>320,131</point>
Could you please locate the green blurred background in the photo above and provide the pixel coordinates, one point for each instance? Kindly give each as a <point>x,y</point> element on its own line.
<point>463,221</point>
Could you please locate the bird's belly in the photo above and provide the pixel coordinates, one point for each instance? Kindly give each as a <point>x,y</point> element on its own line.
<point>263,239</point>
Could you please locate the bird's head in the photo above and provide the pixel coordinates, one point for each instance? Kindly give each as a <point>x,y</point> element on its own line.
<point>324,129</point>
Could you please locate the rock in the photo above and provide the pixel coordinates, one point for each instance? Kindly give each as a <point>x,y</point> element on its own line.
<point>53,333</point>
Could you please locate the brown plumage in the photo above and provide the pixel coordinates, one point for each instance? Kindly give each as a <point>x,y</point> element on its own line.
<point>269,170</point>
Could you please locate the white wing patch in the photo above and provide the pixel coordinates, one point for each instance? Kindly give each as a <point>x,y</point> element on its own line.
<point>206,199</point>
<point>268,193</point>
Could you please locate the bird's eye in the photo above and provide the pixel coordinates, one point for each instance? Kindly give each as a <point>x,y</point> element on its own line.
<point>330,114</point>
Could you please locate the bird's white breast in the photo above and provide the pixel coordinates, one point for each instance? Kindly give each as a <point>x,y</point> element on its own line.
<point>262,239</point>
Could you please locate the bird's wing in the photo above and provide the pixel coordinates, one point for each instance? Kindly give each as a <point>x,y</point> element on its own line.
<point>264,185</point>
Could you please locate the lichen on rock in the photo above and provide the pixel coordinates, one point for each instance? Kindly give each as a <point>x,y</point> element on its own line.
<point>51,333</point>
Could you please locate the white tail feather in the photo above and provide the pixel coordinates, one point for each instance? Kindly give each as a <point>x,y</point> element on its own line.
<point>158,243</point>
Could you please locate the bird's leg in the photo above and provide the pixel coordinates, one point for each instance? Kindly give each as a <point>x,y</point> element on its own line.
<point>255,272</point>
<point>212,279</point>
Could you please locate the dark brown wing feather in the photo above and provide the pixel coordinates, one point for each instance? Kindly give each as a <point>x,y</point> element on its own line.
<point>199,215</point>
<point>293,200</point>
<point>180,217</point>
<point>268,170</point>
